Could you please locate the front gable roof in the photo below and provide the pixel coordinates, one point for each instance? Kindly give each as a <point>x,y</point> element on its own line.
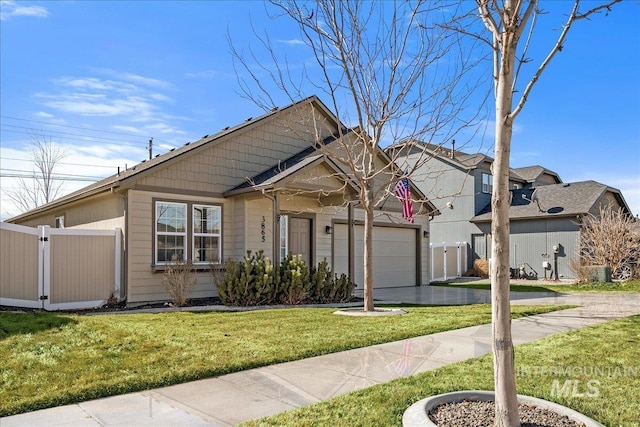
<point>128,177</point>
<point>555,200</point>
<point>468,162</point>
<point>532,173</point>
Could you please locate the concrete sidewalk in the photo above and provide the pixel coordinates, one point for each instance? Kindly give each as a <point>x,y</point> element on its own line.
<point>238,397</point>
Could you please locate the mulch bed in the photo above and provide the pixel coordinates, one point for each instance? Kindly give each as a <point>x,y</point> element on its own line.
<point>121,307</point>
<point>473,413</point>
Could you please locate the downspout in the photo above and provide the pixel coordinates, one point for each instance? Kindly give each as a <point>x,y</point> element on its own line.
<point>125,245</point>
<point>275,246</point>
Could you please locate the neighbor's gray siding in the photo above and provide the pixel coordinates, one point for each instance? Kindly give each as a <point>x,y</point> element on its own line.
<point>530,239</point>
<point>457,193</point>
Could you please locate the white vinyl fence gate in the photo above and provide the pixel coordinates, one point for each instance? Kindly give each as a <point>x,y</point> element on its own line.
<point>59,268</point>
<point>448,261</point>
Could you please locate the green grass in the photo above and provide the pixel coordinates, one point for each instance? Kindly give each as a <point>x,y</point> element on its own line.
<point>629,286</point>
<point>51,359</point>
<point>612,363</point>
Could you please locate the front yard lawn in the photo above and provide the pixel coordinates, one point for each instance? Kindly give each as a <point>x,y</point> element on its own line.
<point>601,362</point>
<point>628,286</point>
<point>51,359</point>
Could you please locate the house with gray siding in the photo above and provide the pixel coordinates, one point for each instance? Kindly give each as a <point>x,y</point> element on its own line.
<point>266,184</point>
<point>460,186</point>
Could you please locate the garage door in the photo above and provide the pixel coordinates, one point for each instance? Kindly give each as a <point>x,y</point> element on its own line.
<point>394,255</point>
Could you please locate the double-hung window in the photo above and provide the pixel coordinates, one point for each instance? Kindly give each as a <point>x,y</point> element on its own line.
<point>171,232</point>
<point>188,231</point>
<point>206,234</point>
<point>487,183</point>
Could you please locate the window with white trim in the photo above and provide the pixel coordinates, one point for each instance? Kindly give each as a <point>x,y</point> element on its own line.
<point>60,221</point>
<point>487,183</point>
<point>207,248</point>
<point>171,232</point>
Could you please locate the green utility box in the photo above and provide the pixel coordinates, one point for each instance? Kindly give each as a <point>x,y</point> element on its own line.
<point>600,273</point>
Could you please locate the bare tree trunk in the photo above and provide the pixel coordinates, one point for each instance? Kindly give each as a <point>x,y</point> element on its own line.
<point>381,65</point>
<point>503,353</point>
<point>368,256</point>
<point>506,21</point>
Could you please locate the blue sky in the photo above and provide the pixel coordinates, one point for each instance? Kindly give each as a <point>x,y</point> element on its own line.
<point>101,78</point>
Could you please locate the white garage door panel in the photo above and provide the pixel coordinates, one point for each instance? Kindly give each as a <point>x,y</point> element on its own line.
<point>394,255</point>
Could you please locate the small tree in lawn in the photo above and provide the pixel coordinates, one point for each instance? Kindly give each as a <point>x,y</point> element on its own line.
<point>41,187</point>
<point>390,74</point>
<point>506,22</point>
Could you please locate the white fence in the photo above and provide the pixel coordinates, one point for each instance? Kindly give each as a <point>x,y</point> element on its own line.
<point>59,269</point>
<point>448,261</point>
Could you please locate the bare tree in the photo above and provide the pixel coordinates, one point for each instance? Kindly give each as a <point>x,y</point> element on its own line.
<point>611,238</point>
<point>506,22</point>
<point>42,186</point>
<point>390,74</point>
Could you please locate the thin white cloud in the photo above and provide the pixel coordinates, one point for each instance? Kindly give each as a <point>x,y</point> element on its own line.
<point>146,81</point>
<point>160,97</point>
<point>164,128</point>
<point>292,42</point>
<point>127,129</point>
<point>10,9</point>
<point>94,96</point>
<point>201,74</point>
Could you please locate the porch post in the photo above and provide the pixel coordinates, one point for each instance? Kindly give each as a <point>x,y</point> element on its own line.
<point>351,242</point>
<point>276,229</point>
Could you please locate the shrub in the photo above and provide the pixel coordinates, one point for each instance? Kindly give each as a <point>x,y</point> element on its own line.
<point>254,281</point>
<point>294,280</point>
<point>481,267</point>
<point>178,279</point>
<point>611,238</point>
<point>582,273</point>
<point>325,287</point>
<point>251,281</point>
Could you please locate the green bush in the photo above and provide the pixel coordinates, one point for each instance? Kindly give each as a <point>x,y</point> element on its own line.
<point>294,280</point>
<point>254,281</point>
<point>325,287</point>
<point>248,282</point>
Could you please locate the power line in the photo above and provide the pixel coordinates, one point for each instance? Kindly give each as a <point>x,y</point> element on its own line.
<point>91,138</point>
<point>59,178</point>
<point>74,127</point>
<point>82,128</point>
<point>34,175</point>
<point>59,163</point>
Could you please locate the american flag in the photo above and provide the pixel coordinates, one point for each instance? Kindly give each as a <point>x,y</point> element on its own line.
<point>403,193</point>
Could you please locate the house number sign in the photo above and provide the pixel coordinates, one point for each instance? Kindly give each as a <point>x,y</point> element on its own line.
<point>263,226</point>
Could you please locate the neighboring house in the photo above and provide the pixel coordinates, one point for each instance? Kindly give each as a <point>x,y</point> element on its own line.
<point>546,227</point>
<point>460,186</point>
<point>261,185</point>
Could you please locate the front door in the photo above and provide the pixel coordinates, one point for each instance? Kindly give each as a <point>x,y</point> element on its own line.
<point>300,238</point>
